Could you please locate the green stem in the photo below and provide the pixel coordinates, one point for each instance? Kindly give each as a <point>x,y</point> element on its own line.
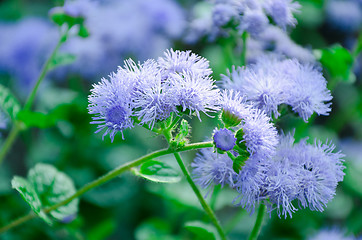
<point>9,140</point>
<point>17,125</point>
<point>107,177</point>
<point>201,199</point>
<point>244,37</point>
<point>258,222</point>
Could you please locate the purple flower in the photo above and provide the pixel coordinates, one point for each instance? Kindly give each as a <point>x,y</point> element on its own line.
<point>111,101</point>
<point>224,139</point>
<point>223,13</point>
<point>254,22</point>
<point>210,169</point>
<point>184,61</point>
<point>332,234</point>
<point>193,92</point>
<point>282,12</point>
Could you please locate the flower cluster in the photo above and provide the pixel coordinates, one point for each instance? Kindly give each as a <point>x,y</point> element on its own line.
<point>149,92</point>
<point>249,16</point>
<point>307,173</point>
<point>272,81</point>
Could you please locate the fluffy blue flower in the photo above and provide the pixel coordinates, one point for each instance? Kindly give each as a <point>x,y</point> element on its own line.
<point>111,101</point>
<point>308,92</point>
<point>223,13</point>
<point>224,139</point>
<point>184,61</point>
<point>248,183</point>
<point>234,107</point>
<point>193,92</point>
<point>210,169</point>
<point>262,84</point>
<point>272,81</point>
<point>308,173</point>
<point>150,96</point>
<point>282,12</point>
<point>260,135</point>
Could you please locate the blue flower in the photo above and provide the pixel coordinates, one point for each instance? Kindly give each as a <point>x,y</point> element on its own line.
<point>150,96</point>
<point>224,139</point>
<point>282,12</point>
<point>193,92</point>
<point>345,16</point>
<point>223,13</point>
<point>234,107</point>
<point>184,61</point>
<point>210,169</point>
<point>308,92</point>
<point>332,234</point>
<point>111,101</point>
<point>260,135</point>
<point>262,84</point>
<point>254,22</point>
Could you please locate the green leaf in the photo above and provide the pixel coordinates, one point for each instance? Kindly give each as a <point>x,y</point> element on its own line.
<point>157,171</point>
<point>239,162</point>
<point>59,17</point>
<point>202,230</point>
<point>83,31</point>
<point>181,137</point>
<point>9,103</point>
<point>61,59</point>
<point>338,61</point>
<point>29,194</point>
<point>36,119</point>
<point>45,187</point>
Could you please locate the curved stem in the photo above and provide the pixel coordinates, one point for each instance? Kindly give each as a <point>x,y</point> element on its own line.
<point>199,196</point>
<point>258,222</point>
<point>107,177</point>
<point>17,125</point>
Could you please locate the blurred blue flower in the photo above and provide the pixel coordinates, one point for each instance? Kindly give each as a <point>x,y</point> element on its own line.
<point>254,22</point>
<point>24,47</point>
<point>345,16</point>
<point>282,12</point>
<point>331,234</point>
<point>224,139</point>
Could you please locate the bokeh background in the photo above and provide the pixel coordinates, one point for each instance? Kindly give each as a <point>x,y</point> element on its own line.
<point>130,207</point>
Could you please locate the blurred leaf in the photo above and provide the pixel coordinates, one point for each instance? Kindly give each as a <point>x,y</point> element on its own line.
<point>338,61</point>
<point>59,17</point>
<point>202,230</point>
<point>45,187</point>
<point>29,194</point>
<point>36,119</point>
<point>154,229</point>
<point>103,230</point>
<point>83,31</point>
<point>61,59</point>
<point>157,171</point>
<point>239,162</point>
<point>9,103</point>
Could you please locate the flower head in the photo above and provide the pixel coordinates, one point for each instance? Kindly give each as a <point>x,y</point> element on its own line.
<point>234,107</point>
<point>282,12</point>
<point>194,92</point>
<point>224,139</point>
<point>183,61</point>
<point>111,102</point>
<point>211,169</point>
<point>254,22</point>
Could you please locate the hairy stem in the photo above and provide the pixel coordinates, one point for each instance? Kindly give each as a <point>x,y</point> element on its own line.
<point>258,222</point>
<point>199,196</point>
<point>107,177</point>
<point>17,125</point>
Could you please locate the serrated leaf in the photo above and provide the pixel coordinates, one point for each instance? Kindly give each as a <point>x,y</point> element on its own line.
<point>157,171</point>
<point>9,103</point>
<point>61,59</point>
<point>202,230</point>
<point>36,119</point>
<point>29,194</point>
<point>44,187</point>
<point>338,61</point>
<point>239,162</point>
